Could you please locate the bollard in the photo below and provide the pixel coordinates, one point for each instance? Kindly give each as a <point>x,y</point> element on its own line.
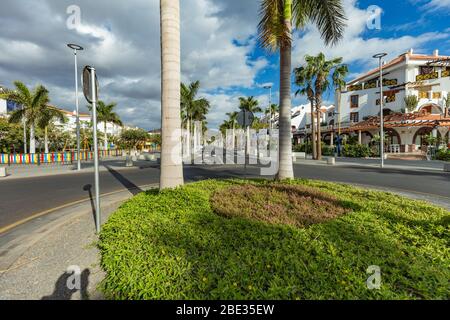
<point>3,172</point>
<point>331,161</point>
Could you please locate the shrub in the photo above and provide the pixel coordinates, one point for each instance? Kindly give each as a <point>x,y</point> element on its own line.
<point>172,245</point>
<point>443,155</point>
<point>326,149</point>
<point>356,151</point>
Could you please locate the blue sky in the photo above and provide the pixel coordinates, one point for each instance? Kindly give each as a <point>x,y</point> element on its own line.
<point>402,18</point>
<point>219,48</point>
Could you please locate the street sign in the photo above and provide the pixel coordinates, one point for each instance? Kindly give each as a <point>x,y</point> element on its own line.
<point>87,83</point>
<point>245,118</point>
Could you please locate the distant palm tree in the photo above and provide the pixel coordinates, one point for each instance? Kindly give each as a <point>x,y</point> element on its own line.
<point>304,79</point>
<point>278,17</point>
<point>249,104</point>
<point>106,114</point>
<point>171,151</point>
<point>271,111</point>
<point>232,124</point>
<point>33,104</point>
<point>192,109</point>
<point>322,69</point>
<point>46,118</point>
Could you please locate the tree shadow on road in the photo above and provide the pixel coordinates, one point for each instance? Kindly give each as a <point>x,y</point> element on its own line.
<point>134,189</point>
<point>77,282</point>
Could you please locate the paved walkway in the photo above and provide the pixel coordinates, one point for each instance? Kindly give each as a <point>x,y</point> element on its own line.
<point>411,165</point>
<point>36,258</point>
<point>29,171</point>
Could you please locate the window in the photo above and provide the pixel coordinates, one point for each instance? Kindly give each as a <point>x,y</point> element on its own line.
<point>354,117</point>
<point>354,101</point>
<point>425,70</point>
<point>437,95</point>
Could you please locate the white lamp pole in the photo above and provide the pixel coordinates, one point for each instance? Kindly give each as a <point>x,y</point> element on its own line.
<point>380,57</point>
<point>75,49</point>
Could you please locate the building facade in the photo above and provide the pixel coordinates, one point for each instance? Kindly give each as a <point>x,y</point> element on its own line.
<point>357,112</point>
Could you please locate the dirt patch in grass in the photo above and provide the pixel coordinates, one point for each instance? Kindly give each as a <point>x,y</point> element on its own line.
<point>294,205</point>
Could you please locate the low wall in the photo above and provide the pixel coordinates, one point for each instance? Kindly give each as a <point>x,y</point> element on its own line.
<point>54,157</point>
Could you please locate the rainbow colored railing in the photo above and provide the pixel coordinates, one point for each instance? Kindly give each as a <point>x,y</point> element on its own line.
<point>54,157</point>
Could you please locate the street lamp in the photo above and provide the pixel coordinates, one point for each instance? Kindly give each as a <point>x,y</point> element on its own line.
<point>380,57</point>
<point>75,49</point>
<point>269,87</point>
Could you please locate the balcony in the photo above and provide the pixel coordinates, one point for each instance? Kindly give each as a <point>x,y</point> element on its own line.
<point>428,76</point>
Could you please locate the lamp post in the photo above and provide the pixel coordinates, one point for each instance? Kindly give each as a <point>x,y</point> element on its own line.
<point>380,57</point>
<point>75,49</point>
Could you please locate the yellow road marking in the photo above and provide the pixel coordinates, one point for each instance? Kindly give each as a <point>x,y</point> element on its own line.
<point>46,212</point>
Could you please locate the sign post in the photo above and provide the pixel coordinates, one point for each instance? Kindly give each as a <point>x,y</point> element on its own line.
<point>90,90</point>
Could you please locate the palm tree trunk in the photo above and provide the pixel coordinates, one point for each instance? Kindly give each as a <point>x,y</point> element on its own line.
<point>32,139</point>
<point>46,140</point>
<point>286,169</point>
<point>313,131</point>
<point>319,134</point>
<point>105,137</point>
<point>171,156</point>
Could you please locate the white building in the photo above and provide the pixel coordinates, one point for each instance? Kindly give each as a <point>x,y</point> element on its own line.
<point>358,107</point>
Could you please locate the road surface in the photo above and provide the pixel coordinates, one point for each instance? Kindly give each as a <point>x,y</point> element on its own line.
<point>22,198</point>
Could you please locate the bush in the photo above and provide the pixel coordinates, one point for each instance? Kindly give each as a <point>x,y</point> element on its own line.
<point>326,149</point>
<point>356,151</point>
<point>172,245</point>
<point>443,155</point>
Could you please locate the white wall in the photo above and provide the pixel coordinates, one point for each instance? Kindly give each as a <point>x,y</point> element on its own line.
<point>3,107</point>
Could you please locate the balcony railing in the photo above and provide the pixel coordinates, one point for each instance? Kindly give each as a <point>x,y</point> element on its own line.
<point>428,76</point>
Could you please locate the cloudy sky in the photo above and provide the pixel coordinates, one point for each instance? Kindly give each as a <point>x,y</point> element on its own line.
<point>219,48</point>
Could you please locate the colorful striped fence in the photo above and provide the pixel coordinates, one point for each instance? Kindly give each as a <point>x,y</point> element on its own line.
<point>54,157</point>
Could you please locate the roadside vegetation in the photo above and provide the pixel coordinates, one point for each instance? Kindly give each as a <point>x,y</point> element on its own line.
<point>298,239</point>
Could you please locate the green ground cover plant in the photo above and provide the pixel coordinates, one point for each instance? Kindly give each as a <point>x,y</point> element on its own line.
<point>189,243</point>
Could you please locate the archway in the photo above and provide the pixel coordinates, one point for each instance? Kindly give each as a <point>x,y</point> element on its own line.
<point>392,136</point>
<point>431,109</point>
<point>421,135</point>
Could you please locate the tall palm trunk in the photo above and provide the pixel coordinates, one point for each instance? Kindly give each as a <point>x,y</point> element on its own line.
<point>46,140</point>
<point>32,139</point>
<point>171,157</point>
<point>286,170</point>
<point>319,123</point>
<point>313,131</point>
<point>106,137</point>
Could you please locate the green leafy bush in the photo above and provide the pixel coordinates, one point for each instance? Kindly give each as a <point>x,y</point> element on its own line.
<point>326,149</point>
<point>172,245</point>
<point>356,151</point>
<point>443,155</point>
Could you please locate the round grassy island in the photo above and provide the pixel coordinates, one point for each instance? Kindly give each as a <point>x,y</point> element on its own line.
<point>236,239</point>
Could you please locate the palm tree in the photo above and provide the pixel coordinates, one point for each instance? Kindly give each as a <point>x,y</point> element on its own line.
<point>275,33</point>
<point>106,114</point>
<point>272,110</point>
<point>33,103</point>
<point>304,79</point>
<point>232,124</point>
<point>339,84</point>
<point>46,118</point>
<point>249,104</point>
<point>192,109</point>
<point>322,69</point>
<point>171,153</point>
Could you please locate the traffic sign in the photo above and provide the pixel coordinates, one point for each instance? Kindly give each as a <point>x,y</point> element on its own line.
<point>245,118</point>
<point>87,84</point>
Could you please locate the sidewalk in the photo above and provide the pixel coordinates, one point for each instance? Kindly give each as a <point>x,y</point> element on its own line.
<point>407,165</point>
<point>36,256</point>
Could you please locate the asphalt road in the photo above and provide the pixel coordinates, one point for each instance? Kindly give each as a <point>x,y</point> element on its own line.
<point>22,198</point>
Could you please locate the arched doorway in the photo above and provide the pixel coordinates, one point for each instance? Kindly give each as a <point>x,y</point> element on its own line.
<point>431,109</point>
<point>422,134</point>
<point>392,136</point>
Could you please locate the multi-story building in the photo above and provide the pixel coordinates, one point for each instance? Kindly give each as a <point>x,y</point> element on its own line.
<point>427,77</point>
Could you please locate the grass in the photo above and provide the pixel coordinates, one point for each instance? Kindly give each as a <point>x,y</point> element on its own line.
<point>173,245</point>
